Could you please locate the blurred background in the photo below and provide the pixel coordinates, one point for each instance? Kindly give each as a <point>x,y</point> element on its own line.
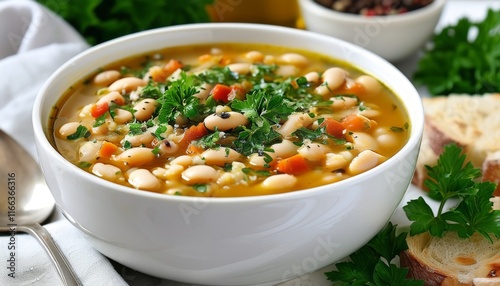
<point>99,20</point>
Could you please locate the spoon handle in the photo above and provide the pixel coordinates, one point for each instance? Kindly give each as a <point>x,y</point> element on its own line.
<point>64,269</point>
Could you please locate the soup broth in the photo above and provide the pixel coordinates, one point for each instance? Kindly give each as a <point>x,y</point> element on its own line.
<point>228,120</point>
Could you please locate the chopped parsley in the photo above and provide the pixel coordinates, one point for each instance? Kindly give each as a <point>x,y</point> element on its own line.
<point>178,100</point>
<point>81,132</point>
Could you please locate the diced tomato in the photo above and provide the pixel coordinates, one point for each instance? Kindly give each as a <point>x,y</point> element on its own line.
<point>221,92</point>
<point>334,128</point>
<point>293,165</point>
<point>99,109</point>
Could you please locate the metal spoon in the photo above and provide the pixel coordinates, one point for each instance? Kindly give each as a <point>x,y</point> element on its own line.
<point>28,202</point>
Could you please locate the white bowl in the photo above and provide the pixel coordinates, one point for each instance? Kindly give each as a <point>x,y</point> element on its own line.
<point>392,37</point>
<point>227,241</point>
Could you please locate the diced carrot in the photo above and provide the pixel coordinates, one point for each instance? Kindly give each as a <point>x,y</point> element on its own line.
<point>334,128</point>
<point>293,165</point>
<point>99,109</point>
<point>193,133</point>
<point>221,92</point>
<point>107,149</point>
<point>157,74</point>
<point>172,66</point>
<point>193,149</point>
<point>350,88</point>
<point>204,58</point>
<point>355,122</point>
<point>237,91</point>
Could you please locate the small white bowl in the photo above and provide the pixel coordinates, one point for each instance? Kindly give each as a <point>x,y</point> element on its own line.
<point>227,241</point>
<point>393,37</point>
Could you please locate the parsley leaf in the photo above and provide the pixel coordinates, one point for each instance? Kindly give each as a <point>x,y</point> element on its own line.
<point>178,100</point>
<point>452,178</point>
<point>266,105</point>
<point>263,110</point>
<point>81,132</point>
<point>373,263</point>
<point>472,64</point>
<point>99,20</point>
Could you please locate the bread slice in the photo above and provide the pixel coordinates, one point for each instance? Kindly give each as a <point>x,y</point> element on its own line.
<point>452,260</point>
<point>471,122</point>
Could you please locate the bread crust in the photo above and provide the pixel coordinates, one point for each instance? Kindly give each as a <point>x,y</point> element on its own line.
<point>452,260</point>
<point>470,121</point>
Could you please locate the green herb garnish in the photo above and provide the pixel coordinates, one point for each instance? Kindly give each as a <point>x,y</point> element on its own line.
<point>464,58</point>
<point>99,20</point>
<point>81,132</point>
<point>178,100</point>
<point>451,179</point>
<point>373,263</point>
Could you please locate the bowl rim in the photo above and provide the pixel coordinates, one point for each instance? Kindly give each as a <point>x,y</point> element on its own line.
<point>331,14</point>
<point>44,92</point>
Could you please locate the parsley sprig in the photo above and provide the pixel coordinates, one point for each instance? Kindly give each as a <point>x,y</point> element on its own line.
<point>178,100</point>
<point>373,264</point>
<point>263,110</point>
<point>452,178</point>
<point>471,60</point>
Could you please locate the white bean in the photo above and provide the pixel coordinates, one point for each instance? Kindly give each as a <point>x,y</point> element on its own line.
<point>294,59</point>
<point>279,182</point>
<point>364,141</point>
<point>335,161</point>
<point>332,78</point>
<point>183,160</point>
<point>365,161</point>
<point>240,68</point>
<point>220,156</point>
<point>204,91</point>
<point>269,60</point>
<point>68,129</point>
<point>144,109</point>
<point>287,70</point>
<point>127,84</point>
<point>343,102</point>
<point>122,116</point>
<point>108,172</point>
<point>143,179</point>
<point>371,85</point>
<point>112,97</point>
<point>313,151</point>
<point>200,174</point>
<point>137,156</point>
<point>143,139</point>
<point>89,151</point>
<point>225,121</point>
<point>258,160</point>
<point>101,129</point>
<point>294,122</point>
<point>388,140</point>
<point>370,113</point>
<point>167,147</point>
<point>105,78</point>
<point>254,56</point>
<point>312,77</point>
<point>284,149</point>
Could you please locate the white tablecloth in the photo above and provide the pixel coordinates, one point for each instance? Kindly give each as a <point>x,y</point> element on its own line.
<point>33,43</point>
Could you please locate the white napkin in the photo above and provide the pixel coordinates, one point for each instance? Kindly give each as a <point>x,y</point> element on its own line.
<point>34,42</point>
